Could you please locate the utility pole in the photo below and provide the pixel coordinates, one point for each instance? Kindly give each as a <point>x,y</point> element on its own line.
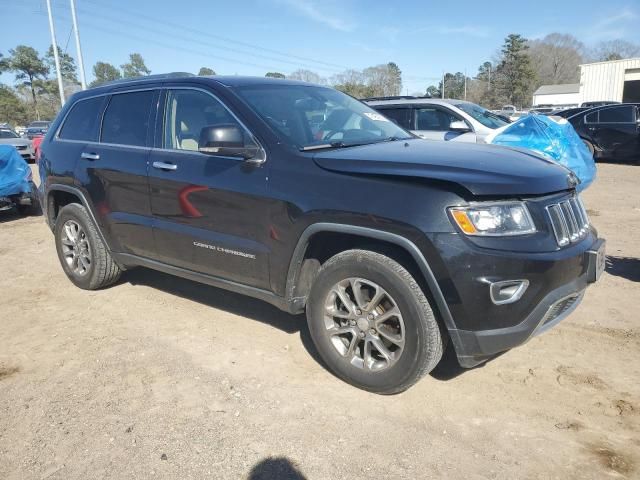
<point>442,92</point>
<point>55,53</point>
<point>465,83</point>
<point>83,79</point>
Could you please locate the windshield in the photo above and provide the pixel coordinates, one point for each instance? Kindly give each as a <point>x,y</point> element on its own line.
<point>8,134</point>
<point>308,117</point>
<point>482,115</point>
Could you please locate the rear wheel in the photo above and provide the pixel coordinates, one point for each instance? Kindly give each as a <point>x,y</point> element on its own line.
<point>82,253</point>
<point>371,322</point>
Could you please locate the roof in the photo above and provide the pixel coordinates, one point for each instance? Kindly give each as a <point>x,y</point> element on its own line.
<point>636,59</point>
<point>558,89</point>
<point>416,101</point>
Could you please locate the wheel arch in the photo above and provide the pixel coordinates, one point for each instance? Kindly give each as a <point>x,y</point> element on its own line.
<point>59,195</point>
<point>303,266</point>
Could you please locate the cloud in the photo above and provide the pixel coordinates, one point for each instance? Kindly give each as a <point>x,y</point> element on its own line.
<point>614,26</point>
<point>313,10</point>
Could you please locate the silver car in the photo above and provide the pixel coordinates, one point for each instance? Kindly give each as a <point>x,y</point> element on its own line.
<point>23,145</point>
<point>444,120</point>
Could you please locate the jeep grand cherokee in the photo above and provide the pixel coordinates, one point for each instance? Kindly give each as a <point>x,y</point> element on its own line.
<point>306,198</point>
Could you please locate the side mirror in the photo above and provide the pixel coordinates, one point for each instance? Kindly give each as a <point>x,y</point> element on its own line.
<point>459,126</point>
<point>228,141</point>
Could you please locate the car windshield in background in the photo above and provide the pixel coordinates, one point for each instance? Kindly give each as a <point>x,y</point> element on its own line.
<point>8,134</point>
<point>38,125</point>
<point>482,115</point>
<point>309,118</point>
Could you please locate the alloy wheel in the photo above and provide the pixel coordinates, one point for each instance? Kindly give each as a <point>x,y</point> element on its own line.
<point>75,248</point>
<point>364,324</point>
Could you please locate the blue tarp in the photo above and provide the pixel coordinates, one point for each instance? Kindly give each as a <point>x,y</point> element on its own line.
<point>553,139</point>
<point>14,172</point>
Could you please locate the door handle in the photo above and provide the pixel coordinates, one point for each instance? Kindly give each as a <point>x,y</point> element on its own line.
<point>90,156</point>
<point>165,166</point>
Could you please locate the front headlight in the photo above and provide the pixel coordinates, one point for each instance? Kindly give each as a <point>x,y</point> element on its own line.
<point>494,219</point>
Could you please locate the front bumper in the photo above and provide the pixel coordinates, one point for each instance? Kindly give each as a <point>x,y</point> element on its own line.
<point>476,346</point>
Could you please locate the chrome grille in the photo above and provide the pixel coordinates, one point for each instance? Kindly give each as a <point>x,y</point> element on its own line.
<point>569,220</point>
<point>21,147</point>
<point>560,308</point>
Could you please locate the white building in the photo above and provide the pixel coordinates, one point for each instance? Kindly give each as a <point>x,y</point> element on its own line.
<point>567,94</point>
<point>615,80</point>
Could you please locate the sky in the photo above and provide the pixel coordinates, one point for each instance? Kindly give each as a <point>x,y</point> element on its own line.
<point>252,37</point>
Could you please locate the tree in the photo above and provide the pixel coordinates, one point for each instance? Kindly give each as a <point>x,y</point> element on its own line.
<point>275,75</point>
<point>67,64</point>
<point>4,64</point>
<point>615,50</point>
<point>352,83</point>
<point>514,74</point>
<point>12,110</point>
<point>204,71</point>
<point>556,58</point>
<point>433,91</point>
<point>384,80</point>
<point>104,72</point>
<point>29,67</point>
<point>307,76</point>
<point>135,68</point>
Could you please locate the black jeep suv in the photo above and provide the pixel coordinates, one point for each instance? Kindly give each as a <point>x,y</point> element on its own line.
<point>301,196</point>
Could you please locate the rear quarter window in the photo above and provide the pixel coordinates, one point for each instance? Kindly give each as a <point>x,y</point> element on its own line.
<point>83,120</point>
<point>622,114</point>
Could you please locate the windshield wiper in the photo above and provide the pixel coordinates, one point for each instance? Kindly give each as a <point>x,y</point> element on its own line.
<point>332,145</point>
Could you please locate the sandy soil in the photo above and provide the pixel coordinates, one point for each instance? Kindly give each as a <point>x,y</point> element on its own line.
<point>159,377</point>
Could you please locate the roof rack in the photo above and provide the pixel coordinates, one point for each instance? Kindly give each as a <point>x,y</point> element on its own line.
<point>159,76</point>
<point>393,97</point>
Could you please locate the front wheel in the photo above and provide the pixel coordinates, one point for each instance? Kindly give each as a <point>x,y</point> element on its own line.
<point>371,322</point>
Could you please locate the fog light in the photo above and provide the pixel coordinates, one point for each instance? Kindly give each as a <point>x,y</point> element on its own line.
<point>507,291</point>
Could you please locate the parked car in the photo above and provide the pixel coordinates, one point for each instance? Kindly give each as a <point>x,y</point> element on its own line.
<point>611,131</point>
<point>435,119</point>
<point>568,112</point>
<point>9,137</point>
<point>598,104</point>
<point>38,128</point>
<point>392,245</point>
<point>17,190</point>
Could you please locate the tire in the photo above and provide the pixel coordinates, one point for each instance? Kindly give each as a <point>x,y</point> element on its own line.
<point>417,343</point>
<point>95,267</point>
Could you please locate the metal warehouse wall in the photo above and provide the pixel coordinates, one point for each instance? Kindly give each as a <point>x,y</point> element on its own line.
<point>604,80</point>
<point>557,99</point>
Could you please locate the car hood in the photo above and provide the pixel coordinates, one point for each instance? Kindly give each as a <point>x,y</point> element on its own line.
<point>15,142</point>
<point>481,169</point>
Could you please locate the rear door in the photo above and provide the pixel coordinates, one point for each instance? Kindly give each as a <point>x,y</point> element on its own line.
<point>210,212</point>
<point>114,170</point>
<point>433,122</point>
<point>616,130</point>
<point>400,116</point>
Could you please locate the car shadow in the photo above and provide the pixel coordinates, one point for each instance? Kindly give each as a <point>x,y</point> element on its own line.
<point>234,303</point>
<point>625,267</point>
<point>279,468</point>
<point>12,215</point>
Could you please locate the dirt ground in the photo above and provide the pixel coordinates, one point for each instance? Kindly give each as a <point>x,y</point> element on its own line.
<point>159,377</point>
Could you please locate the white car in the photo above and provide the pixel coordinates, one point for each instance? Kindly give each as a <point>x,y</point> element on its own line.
<point>436,119</point>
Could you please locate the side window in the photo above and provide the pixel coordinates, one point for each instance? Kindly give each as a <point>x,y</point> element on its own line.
<point>186,113</point>
<point>401,116</point>
<point>126,120</point>
<point>83,120</point>
<point>591,117</point>
<point>433,118</point>
<point>621,114</point>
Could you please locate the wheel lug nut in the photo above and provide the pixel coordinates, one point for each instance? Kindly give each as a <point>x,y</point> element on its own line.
<point>361,334</point>
<point>372,331</point>
<point>352,323</point>
<point>358,312</point>
<point>370,316</point>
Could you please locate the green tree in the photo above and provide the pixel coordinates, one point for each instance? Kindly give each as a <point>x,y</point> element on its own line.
<point>104,72</point>
<point>204,71</point>
<point>275,75</point>
<point>12,109</point>
<point>135,68</point>
<point>4,64</point>
<point>67,64</point>
<point>29,67</point>
<point>434,91</point>
<point>515,75</point>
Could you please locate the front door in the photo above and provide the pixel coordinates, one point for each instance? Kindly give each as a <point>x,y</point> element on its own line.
<point>210,212</point>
